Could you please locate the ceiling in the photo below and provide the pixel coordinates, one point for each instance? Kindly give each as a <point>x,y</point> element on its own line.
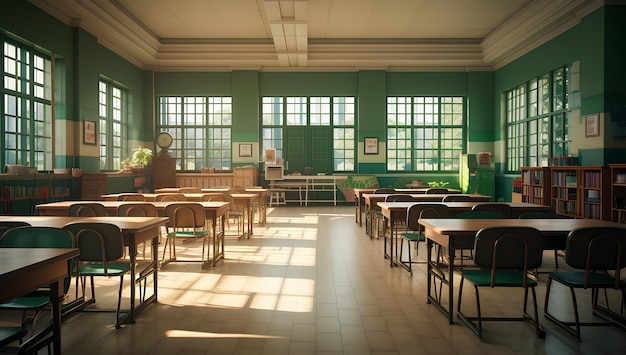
<point>320,35</point>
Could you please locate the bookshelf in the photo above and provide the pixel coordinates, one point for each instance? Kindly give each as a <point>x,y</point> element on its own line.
<point>20,193</point>
<point>536,185</point>
<point>581,191</point>
<point>618,192</point>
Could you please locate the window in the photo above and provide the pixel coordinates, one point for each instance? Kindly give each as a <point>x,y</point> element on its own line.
<point>113,110</point>
<point>538,120</point>
<point>201,128</point>
<point>425,133</point>
<point>337,114</point>
<point>26,132</point>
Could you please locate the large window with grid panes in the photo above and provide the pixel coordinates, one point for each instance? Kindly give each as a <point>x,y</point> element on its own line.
<point>425,133</point>
<point>26,106</point>
<point>113,112</point>
<point>201,127</point>
<point>538,118</point>
<point>311,131</point>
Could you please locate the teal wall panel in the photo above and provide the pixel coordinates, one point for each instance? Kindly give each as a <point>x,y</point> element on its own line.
<point>189,84</point>
<point>246,117</point>
<point>308,84</point>
<point>371,111</point>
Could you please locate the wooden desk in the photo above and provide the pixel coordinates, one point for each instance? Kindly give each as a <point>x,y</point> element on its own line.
<point>326,183</point>
<point>135,230</point>
<point>23,270</point>
<point>396,211</point>
<point>460,233</point>
<point>371,201</point>
<point>215,212</point>
<point>359,203</point>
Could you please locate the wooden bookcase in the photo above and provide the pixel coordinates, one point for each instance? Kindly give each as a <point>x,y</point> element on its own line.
<point>163,172</point>
<point>536,185</point>
<point>581,191</point>
<point>618,192</point>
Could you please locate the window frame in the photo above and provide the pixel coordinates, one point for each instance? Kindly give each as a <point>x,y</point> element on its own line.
<point>113,118</point>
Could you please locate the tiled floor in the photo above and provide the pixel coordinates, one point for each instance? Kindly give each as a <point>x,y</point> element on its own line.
<point>311,282</point>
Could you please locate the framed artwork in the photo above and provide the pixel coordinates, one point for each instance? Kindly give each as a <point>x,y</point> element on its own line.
<point>592,125</point>
<point>245,150</point>
<point>371,145</point>
<point>89,132</point>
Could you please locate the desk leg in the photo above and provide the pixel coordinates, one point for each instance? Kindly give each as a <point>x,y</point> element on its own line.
<point>250,219</point>
<point>433,276</point>
<point>132,251</point>
<point>155,260</point>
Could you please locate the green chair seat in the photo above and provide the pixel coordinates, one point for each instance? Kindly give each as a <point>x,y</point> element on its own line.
<point>504,278</point>
<point>26,303</point>
<point>10,334</point>
<point>113,269</point>
<point>414,237</point>
<point>576,279</point>
<point>188,234</point>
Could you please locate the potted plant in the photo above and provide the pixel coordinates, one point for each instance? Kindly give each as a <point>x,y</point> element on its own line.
<point>141,158</point>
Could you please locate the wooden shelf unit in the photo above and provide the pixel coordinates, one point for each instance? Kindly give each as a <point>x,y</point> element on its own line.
<point>581,191</point>
<point>536,185</point>
<point>20,193</point>
<point>618,192</point>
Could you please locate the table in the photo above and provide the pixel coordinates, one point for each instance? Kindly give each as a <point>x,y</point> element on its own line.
<point>396,211</point>
<point>317,183</point>
<point>135,230</point>
<point>371,201</point>
<point>460,233</point>
<point>358,197</point>
<point>215,212</point>
<point>27,269</point>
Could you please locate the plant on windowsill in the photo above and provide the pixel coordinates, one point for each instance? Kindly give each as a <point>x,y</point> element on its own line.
<point>142,158</point>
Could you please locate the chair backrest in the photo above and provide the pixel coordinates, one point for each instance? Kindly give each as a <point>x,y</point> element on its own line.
<point>185,215</point>
<point>41,237</point>
<point>215,196</point>
<point>131,197</point>
<point>542,215</point>
<point>597,249</point>
<point>170,197</point>
<point>6,225</point>
<point>503,209</point>
<point>98,242</point>
<point>137,210</point>
<point>456,198</point>
<point>237,190</point>
<point>519,248</point>
<point>399,198</point>
<point>437,190</point>
<point>477,215</point>
<point>385,190</point>
<point>418,211</point>
<point>87,209</point>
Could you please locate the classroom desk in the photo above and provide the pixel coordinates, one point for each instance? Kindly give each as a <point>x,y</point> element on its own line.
<point>396,211</point>
<point>371,201</point>
<point>460,233</point>
<point>359,203</point>
<point>23,270</point>
<point>215,212</point>
<point>135,230</point>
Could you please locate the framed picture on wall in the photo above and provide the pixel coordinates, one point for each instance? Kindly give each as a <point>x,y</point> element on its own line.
<point>592,125</point>
<point>371,145</point>
<point>89,132</point>
<point>245,150</point>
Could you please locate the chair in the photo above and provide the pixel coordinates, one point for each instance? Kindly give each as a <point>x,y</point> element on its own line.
<point>100,246</point>
<point>170,197</point>
<point>11,334</point>
<point>6,225</point>
<point>546,215</point>
<point>138,209</point>
<point>501,208</point>
<point>87,209</point>
<point>131,197</point>
<point>36,237</point>
<point>456,198</point>
<point>232,211</point>
<point>187,220</point>
<point>437,190</point>
<point>504,256</point>
<point>592,252</point>
<point>377,214</point>
<point>416,233</point>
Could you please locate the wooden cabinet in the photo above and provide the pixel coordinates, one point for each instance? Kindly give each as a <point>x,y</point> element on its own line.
<point>581,191</point>
<point>618,192</point>
<point>92,186</point>
<point>245,176</point>
<point>536,185</point>
<point>163,172</point>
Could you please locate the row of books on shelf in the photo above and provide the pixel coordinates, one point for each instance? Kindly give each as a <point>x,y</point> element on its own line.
<point>592,211</point>
<point>620,178</point>
<point>567,194</point>
<point>23,192</point>
<point>593,179</point>
<point>564,179</point>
